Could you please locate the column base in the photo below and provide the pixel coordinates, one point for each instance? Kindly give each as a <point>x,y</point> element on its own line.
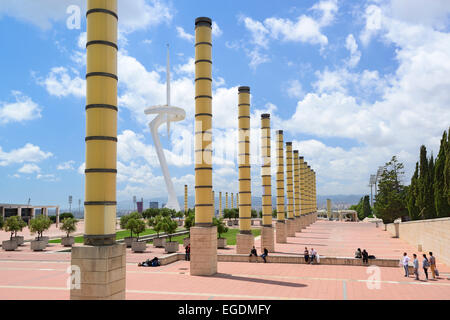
<point>298,226</point>
<point>244,243</point>
<point>99,272</point>
<point>203,251</point>
<point>267,239</point>
<point>290,227</point>
<point>281,232</point>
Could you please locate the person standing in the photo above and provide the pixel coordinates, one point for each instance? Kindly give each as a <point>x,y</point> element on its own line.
<point>432,264</point>
<point>188,252</point>
<point>365,256</point>
<point>416,266</point>
<point>312,256</point>
<point>425,265</point>
<point>405,263</point>
<point>306,254</point>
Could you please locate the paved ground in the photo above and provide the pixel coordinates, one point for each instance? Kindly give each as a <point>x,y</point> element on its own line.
<point>31,275</point>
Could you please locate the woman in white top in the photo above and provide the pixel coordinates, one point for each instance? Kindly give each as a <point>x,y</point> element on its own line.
<point>405,263</point>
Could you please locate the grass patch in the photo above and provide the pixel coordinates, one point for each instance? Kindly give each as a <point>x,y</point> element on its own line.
<point>119,235</point>
<point>230,236</point>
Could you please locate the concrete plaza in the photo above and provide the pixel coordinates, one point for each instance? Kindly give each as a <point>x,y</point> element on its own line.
<point>33,275</point>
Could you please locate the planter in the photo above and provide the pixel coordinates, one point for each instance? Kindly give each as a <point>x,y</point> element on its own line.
<point>252,222</point>
<point>221,243</point>
<point>19,240</point>
<point>171,247</point>
<point>137,246</point>
<point>68,241</point>
<point>186,242</point>
<point>129,241</point>
<point>159,242</point>
<point>236,222</point>
<point>45,239</point>
<point>9,245</point>
<point>229,223</point>
<point>38,245</point>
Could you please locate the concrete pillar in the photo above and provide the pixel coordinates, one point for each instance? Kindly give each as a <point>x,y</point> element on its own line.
<point>204,234</point>
<point>213,204</point>
<point>57,216</point>
<point>290,224</point>
<point>310,197</point>
<point>244,240</point>
<point>33,213</point>
<point>220,204</point>
<point>186,198</point>
<point>297,192</point>
<point>281,232</point>
<point>328,208</point>
<point>19,212</point>
<point>226,201</point>
<point>302,193</point>
<point>267,230</point>
<point>3,213</point>
<point>232,200</point>
<point>100,260</point>
<point>237,200</point>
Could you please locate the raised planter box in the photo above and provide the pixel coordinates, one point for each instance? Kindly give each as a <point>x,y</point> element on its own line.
<point>68,241</point>
<point>129,240</point>
<point>229,223</point>
<point>186,241</point>
<point>19,240</point>
<point>9,245</point>
<point>171,247</point>
<point>236,222</point>
<point>159,242</point>
<point>45,239</point>
<point>221,243</point>
<point>138,246</point>
<point>38,245</point>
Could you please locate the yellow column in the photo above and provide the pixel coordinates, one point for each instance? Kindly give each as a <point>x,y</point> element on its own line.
<point>232,200</point>
<point>95,259</point>
<point>302,192</point>
<point>244,241</point>
<point>226,200</point>
<point>297,191</point>
<point>267,231</point>
<point>213,204</point>
<point>281,236</point>
<point>328,208</point>
<point>220,204</point>
<point>290,191</point>
<point>204,234</point>
<point>101,123</point>
<point>308,174</point>
<point>185,198</point>
<point>237,200</point>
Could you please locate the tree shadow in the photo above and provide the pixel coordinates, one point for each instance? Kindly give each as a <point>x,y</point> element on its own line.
<point>308,244</point>
<point>256,280</point>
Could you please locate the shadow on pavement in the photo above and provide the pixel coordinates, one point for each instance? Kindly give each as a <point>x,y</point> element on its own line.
<point>256,280</point>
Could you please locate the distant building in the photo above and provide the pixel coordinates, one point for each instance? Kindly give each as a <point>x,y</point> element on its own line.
<point>154,205</point>
<point>26,212</point>
<point>140,206</point>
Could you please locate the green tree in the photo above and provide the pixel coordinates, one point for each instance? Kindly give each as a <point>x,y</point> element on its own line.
<point>1,223</point>
<point>358,208</point>
<point>136,226</point>
<point>425,199</point>
<point>156,224</point>
<point>366,209</point>
<point>274,213</point>
<point>441,202</point>
<point>447,168</point>
<point>124,219</point>
<point>12,224</point>
<point>69,225</point>
<point>254,213</point>
<point>169,226</point>
<point>221,228</point>
<point>391,198</point>
<point>39,225</point>
<point>413,192</point>
<point>189,222</point>
<point>150,213</point>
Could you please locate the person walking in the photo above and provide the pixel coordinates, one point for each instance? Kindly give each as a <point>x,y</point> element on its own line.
<point>306,254</point>
<point>265,254</point>
<point>425,265</point>
<point>365,256</point>
<point>416,266</point>
<point>405,263</point>
<point>188,252</point>
<point>432,264</point>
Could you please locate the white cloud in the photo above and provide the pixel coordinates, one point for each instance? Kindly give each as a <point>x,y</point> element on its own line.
<point>184,35</point>
<point>28,153</point>
<point>294,89</point>
<point>23,109</point>
<point>68,165</point>
<point>29,168</point>
<point>60,83</point>
<point>216,31</point>
<point>355,54</point>
<point>47,177</point>
<point>81,168</point>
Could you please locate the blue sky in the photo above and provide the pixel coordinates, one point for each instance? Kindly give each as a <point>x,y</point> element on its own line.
<point>352,83</point>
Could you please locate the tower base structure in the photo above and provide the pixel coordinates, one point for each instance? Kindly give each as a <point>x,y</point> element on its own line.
<point>203,251</point>
<point>98,272</point>
<point>267,239</point>
<point>298,225</point>
<point>281,232</point>
<point>244,243</point>
<point>290,227</point>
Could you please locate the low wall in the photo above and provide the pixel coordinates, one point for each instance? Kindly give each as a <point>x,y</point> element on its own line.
<point>433,235</point>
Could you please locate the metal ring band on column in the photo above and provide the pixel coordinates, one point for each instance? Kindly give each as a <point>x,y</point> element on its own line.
<point>203,114</point>
<point>102,106</point>
<point>204,78</point>
<point>203,150</point>
<point>204,205</point>
<point>203,169</point>
<point>102,42</point>
<point>244,104</point>
<point>100,138</point>
<point>244,117</point>
<point>102,10</point>
<point>203,132</point>
<point>101,74</point>
<point>100,203</point>
<point>100,170</point>
<point>203,187</point>
<point>203,97</point>
<point>203,60</point>
<point>206,43</point>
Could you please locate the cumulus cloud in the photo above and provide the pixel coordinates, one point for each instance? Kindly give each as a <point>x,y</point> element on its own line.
<point>184,35</point>
<point>61,83</point>
<point>355,54</point>
<point>28,153</point>
<point>29,168</point>
<point>68,165</point>
<point>23,109</point>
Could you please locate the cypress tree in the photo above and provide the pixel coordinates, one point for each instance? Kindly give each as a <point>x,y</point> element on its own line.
<point>366,209</point>
<point>422,182</point>
<point>447,170</point>
<point>413,209</point>
<point>430,195</point>
<point>440,198</point>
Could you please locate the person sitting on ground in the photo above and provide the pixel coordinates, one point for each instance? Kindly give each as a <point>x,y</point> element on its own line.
<point>358,254</point>
<point>253,252</point>
<point>365,256</point>
<point>306,254</point>
<point>150,263</point>
<point>312,256</point>
<point>265,254</point>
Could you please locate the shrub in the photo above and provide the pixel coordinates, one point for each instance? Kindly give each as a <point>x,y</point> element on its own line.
<point>254,213</point>
<point>169,226</point>
<point>1,222</point>
<point>189,222</point>
<point>39,225</point>
<point>150,213</point>
<point>69,225</point>
<point>65,215</point>
<point>221,228</point>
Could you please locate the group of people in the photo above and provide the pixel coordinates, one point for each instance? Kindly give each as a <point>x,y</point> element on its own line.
<point>253,252</point>
<point>426,264</point>
<point>364,255</point>
<point>311,256</point>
